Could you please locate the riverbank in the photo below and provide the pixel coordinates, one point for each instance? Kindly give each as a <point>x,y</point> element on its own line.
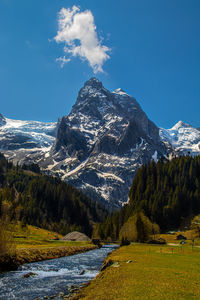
<point>32,244</point>
<point>55,278</point>
<point>141,271</point>
<point>28,255</point>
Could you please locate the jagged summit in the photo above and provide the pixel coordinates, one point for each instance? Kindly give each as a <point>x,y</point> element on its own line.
<point>94,83</point>
<point>180,124</point>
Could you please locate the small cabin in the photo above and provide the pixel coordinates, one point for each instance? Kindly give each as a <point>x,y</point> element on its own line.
<point>76,236</point>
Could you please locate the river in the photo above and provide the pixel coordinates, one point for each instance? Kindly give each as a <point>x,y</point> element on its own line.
<point>52,276</point>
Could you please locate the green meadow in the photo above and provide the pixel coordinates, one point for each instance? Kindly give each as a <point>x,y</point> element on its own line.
<point>155,272</point>
<point>30,243</point>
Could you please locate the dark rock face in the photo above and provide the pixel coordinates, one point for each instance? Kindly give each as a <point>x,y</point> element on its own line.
<point>102,142</point>
<point>2,120</point>
<point>14,142</point>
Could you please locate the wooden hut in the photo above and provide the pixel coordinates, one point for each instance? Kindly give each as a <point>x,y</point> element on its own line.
<point>76,236</point>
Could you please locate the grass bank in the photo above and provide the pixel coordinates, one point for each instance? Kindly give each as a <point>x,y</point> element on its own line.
<point>155,272</point>
<point>33,244</point>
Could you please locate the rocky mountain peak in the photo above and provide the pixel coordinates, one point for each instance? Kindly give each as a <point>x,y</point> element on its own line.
<point>100,144</point>
<point>180,124</point>
<point>92,88</point>
<point>93,83</point>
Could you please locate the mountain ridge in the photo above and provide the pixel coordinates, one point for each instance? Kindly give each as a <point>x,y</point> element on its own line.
<point>99,146</point>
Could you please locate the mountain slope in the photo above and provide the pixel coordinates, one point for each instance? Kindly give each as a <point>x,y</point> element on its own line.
<point>45,201</point>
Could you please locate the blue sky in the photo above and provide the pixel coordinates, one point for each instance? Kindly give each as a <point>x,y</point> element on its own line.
<point>154,56</point>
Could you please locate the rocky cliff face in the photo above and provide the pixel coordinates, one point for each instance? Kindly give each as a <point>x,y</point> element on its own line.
<point>102,142</point>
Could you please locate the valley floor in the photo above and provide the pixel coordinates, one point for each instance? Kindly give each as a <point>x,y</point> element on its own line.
<point>142,271</point>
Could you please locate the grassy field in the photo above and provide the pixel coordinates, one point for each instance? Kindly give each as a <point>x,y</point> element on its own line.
<point>31,244</point>
<point>156,272</point>
<point>35,237</point>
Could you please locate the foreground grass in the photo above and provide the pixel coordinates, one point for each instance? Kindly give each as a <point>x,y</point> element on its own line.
<point>155,273</point>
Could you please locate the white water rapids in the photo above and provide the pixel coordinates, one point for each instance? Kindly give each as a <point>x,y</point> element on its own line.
<point>52,276</point>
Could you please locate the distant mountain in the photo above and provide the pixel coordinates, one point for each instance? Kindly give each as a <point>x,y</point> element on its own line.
<point>99,146</point>
<point>183,137</point>
<point>26,141</point>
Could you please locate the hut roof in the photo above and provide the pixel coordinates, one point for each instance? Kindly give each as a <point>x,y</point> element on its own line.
<point>181,237</point>
<point>76,236</point>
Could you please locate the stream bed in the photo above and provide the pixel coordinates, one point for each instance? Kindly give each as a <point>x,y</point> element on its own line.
<point>52,277</point>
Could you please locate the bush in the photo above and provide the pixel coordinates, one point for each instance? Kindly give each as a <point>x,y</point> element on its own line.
<point>159,241</point>
<point>124,241</point>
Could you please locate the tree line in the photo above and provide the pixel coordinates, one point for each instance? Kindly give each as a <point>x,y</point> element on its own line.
<point>167,193</point>
<point>28,196</point>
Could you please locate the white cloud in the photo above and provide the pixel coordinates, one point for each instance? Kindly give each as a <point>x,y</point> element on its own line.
<point>63,60</point>
<point>77,31</point>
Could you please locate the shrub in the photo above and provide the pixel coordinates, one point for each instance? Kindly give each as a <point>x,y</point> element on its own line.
<point>124,241</point>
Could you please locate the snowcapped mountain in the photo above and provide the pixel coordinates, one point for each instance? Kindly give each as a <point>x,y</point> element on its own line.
<point>99,146</point>
<point>183,137</point>
<point>102,142</point>
<point>24,141</point>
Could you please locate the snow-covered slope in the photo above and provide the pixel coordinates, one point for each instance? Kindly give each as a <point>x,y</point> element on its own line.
<point>183,137</point>
<point>25,140</point>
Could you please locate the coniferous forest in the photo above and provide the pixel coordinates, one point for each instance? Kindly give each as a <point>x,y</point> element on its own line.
<point>44,201</point>
<point>166,192</point>
<point>163,195</point>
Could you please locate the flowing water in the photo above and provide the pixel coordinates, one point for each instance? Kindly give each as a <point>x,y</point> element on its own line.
<point>52,276</point>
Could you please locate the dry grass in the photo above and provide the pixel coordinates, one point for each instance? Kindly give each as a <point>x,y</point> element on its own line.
<point>37,254</point>
<point>156,272</point>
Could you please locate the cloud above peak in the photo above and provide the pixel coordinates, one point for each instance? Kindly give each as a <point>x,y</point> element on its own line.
<point>77,31</point>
